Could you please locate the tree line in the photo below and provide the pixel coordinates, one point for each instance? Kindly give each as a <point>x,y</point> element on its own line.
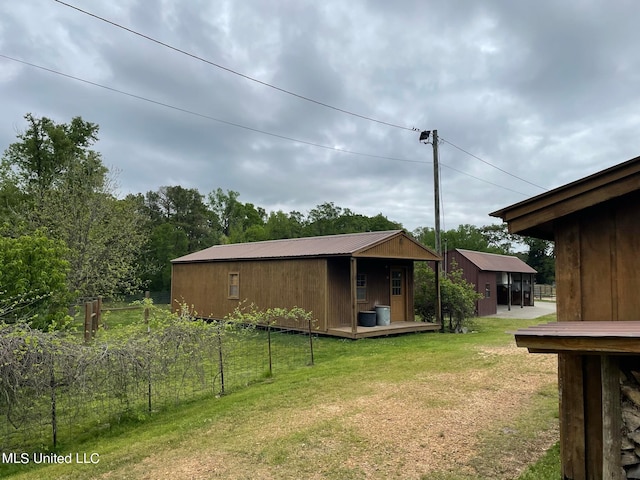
<point>65,233</point>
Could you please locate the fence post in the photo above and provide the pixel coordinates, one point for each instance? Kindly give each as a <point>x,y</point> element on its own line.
<point>146,321</point>
<point>220,359</point>
<point>54,416</point>
<point>99,312</point>
<point>88,313</point>
<point>269,347</point>
<point>94,317</point>
<point>147,295</point>
<point>310,342</point>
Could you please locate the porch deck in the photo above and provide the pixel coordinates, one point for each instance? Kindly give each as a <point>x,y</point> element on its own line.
<point>381,330</point>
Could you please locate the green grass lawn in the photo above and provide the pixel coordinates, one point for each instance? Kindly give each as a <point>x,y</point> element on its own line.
<point>414,406</point>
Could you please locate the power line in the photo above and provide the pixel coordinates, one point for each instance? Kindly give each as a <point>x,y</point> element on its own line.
<point>492,165</point>
<point>227,69</point>
<point>237,125</point>
<point>266,84</point>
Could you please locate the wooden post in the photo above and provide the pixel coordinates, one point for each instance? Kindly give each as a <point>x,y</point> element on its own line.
<point>94,318</point>
<point>147,295</point>
<point>611,418</point>
<point>354,298</point>
<point>99,312</point>
<point>438,308</point>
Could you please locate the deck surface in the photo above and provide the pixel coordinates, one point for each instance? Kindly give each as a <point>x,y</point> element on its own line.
<point>581,337</point>
<point>381,330</point>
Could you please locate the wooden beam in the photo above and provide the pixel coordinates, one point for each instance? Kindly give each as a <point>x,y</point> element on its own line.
<point>611,418</point>
<point>354,295</point>
<point>572,439</point>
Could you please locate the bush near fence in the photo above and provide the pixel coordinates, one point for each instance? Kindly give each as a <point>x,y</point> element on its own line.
<point>54,386</point>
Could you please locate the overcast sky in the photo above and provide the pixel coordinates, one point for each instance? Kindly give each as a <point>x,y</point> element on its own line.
<point>547,91</point>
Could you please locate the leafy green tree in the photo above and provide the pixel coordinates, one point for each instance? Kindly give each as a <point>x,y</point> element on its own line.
<point>165,243</point>
<point>228,210</point>
<point>46,150</point>
<point>498,237</point>
<point>458,297</point>
<point>184,208</point>
<point>468,237</point>
<point>379,223</point>
<point>66,191</point>
<point>279,225</point>
<point>540,256</point>
<point>330,219</point>
<point>323,220</point>
<point>33,280</point>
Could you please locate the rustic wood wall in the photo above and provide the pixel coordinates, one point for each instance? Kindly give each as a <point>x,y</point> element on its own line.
<point>269,283</point>
<point>473,275</point>
<point>597,265</point>
<point>338,292</point>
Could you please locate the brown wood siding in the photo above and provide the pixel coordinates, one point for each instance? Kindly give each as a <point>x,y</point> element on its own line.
<point>487,306</point>
<point>378,286</point>
<point>268,284</point>
<point>398,247</point>
<point>597,278</point>
<point>338,292</point>
<point>469,269</point>
<point>598,263</point>
<point>411,309</point>
<point>472,274</point>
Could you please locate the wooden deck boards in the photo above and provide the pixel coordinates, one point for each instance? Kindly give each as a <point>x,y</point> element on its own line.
<point>581,337</point>
<point>381,330</point>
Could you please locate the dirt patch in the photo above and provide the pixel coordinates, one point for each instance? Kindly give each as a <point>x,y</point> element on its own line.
<point>405,430</point>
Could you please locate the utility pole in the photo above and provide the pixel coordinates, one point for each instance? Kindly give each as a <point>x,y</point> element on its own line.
<point>436,190</point>
<point>424,137</point>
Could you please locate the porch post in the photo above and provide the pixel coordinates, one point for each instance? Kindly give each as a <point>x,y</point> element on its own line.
<point>354,300</point>
<point>509,291</point>
<point>522,290</point>
<point>438,297</point>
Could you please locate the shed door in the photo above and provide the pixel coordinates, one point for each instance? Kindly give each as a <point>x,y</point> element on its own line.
<point>398,294</point>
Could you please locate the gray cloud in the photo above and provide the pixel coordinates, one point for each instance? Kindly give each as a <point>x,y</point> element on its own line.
<point>545,91</point>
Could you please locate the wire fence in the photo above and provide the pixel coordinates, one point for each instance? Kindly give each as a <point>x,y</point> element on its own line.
<point>54,387</point>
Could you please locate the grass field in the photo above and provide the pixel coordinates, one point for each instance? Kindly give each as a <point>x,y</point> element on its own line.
<point>420,406</point>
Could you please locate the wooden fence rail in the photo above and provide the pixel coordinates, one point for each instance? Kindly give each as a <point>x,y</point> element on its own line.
<point>540,291</point>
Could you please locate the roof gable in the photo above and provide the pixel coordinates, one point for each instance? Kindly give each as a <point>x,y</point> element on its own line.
<point>368,244</point>
<point>535,216</point>
<point>493,262</point>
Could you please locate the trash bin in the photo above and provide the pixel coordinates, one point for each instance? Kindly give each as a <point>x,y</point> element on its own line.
<point>367,318</point>
<point>383,315</point>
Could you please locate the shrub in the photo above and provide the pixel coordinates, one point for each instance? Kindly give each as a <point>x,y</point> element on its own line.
<point>458,296</point>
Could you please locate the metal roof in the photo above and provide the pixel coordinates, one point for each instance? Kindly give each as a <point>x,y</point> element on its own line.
<point>494,262</point>
<point>329,245</point>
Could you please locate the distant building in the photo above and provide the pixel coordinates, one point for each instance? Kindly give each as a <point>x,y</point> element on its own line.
<point>501,279</point>
<point>335,277</point>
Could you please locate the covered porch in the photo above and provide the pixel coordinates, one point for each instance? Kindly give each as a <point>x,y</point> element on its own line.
<point>394,328</point>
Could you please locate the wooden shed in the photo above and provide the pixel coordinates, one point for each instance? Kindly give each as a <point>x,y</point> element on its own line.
<point>501,279</point>
<point>595,223</point>
<point>335,277</point>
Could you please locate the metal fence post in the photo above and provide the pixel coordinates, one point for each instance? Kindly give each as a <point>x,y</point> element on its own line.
<point>269,346</point>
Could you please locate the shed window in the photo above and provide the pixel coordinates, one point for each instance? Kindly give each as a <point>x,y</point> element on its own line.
<point>361,286</point>
<point>234,285</point>
<point>487,290</point>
